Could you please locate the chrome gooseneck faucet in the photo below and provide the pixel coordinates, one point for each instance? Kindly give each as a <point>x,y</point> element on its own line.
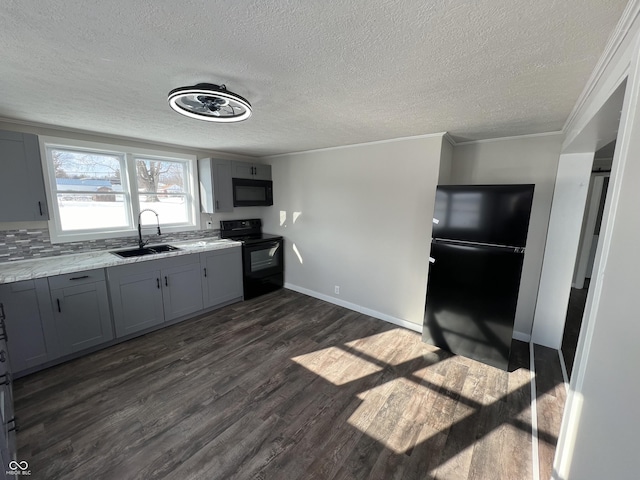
<point>140,242</point>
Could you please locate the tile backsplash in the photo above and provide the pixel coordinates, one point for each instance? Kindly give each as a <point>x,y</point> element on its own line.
<point>23,244</point>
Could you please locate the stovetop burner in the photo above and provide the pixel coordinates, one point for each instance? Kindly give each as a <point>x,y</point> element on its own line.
<point>246,231</point>
<point>247,239</point>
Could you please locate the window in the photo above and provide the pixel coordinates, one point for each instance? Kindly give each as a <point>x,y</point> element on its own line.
<point>161,187</point>
<point>98,191</point>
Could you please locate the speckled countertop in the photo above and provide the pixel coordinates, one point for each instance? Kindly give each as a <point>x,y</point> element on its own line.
<point>46,267</point>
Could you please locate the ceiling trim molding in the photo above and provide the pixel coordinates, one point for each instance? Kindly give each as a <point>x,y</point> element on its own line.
<point>515,137</point>
<point>220,153</point>
<point>340,147</point>
<point>449,139</point>
<point>629,16</point>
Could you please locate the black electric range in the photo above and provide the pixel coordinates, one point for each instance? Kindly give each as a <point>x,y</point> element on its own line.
<point>262,255</point>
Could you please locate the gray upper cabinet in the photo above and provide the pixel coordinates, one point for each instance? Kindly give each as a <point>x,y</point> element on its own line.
<point>30,330</point>
<point>222,276</point>
<point>253,171</point>
<point>21,182</point>
<point>81,310</point>
<point>216,194</point>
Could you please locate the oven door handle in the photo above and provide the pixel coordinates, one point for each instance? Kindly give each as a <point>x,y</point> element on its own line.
<point>265,245</point>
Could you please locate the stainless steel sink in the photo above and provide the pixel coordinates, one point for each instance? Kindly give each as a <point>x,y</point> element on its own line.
<point>139,252</point>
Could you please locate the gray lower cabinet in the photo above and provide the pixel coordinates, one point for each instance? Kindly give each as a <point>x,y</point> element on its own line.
<point>149,293</point>
<point>136,297</point>
<point>181,289</point>
<point>81,310</point>
<point>32,338</point>
<point>46,319</point>
<point>21,182</point>
<point>221,276</point>
<point>8,446</point>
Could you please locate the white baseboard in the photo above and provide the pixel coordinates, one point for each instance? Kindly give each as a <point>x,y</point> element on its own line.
<point>523,337</point>
<point>535,458</point>
<point>563,366</point>
<point>356,308</point>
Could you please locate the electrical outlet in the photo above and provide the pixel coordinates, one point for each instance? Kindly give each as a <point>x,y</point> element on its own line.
<point>209,225</point>
<point>337,290</point>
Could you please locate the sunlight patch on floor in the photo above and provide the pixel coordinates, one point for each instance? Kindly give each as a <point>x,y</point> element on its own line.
<point>344,368</point>
<point>400,430</point>
<point>516,382</point>
<point>455,467</point>
<point>378,347</point>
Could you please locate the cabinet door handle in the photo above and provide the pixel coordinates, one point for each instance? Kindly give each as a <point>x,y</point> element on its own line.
<point>40,207</point>
<point>58,302</point>
<point>158,282</point>
<point>166,281</point>
<point>205,273</point>
<point>7,379</point>
<point>2,315</point>
<point>3,335</point>
<point>15,427</point>
<point>217,205</point>
<point>3,356</point>
<point>79,278</point>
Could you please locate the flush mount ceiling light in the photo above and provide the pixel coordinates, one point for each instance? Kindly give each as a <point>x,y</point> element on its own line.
<point>209,102</point>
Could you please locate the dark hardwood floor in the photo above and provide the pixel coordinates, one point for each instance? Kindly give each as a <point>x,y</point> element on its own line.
<point>283,386</point>
<point>551,395</point>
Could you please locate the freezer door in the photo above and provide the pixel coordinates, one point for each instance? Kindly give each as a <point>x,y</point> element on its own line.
<point>489,214</point>
<point>472,294</point>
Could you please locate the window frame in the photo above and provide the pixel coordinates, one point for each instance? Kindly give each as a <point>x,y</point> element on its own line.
<point>128,177</point>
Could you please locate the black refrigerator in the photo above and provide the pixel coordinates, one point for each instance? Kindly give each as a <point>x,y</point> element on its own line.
<point>477,251</point>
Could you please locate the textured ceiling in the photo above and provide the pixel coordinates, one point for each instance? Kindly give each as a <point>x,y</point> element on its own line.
<point>318,74</point>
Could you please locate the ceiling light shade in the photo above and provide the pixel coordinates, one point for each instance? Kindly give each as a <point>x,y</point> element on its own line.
<point>209,102</point>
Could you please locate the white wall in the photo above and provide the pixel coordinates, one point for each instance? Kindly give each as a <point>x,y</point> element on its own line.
<point>605,404</point>
<point>531,159</point>
<point>599,433</point>
<point>359,217</point>
<point>567,210</point>
<point>446,162</point>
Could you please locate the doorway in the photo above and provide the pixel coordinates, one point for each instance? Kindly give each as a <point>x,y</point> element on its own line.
<point>598,188</point>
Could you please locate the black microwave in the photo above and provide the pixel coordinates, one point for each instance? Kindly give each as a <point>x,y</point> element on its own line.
<point>252,193</point>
